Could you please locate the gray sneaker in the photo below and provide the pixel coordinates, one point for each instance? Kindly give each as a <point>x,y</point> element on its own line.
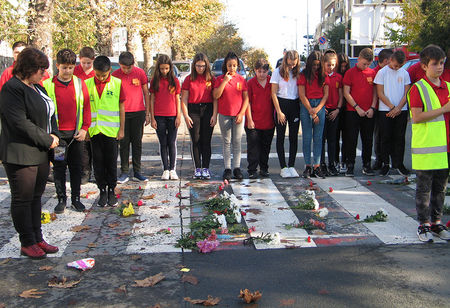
<point>440,231</point>
<point>424,234</point>
<point>123,178</point>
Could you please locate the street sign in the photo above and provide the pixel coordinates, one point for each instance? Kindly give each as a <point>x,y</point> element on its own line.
<point>342,41</point>
<point>322,40</point>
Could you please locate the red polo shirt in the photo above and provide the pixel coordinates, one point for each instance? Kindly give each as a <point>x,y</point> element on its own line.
<point>100,86</point>
<point>442,93</point>
<point>445,75</point>
<point>261,106</point>
<point>78,71</point>
<point>67,105</point>
<point>376,69</point>
<point>132,86</point>
<point>165,98</point>
<point>312,90</point>
<point>416,72</point>
<point>6,75</point>
<point>230,103</point>
<point>334,84</point>
<point>200,90</point>
<point>361,87</point>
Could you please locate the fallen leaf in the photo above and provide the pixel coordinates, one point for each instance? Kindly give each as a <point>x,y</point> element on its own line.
<point>121,289</point>
<point>53,217</point>
<point>92,245</point>
<point>82,250</point>
<point>79,228</point>
<point>135,257</point>
<point>135,268</point>
<point>154,207</point>
<point>254,211</point>
<point>210,301</point>
<point>125,233</point>
<point>165,201</point>
<point>31,275</point>
<point>114,225</point>
<point>149,197</point>
<point>250,297</point>
<point>251,220</point>
<point>5,261</point>
<point>189,278</point>
<point>188,184</point>
<point>32,293</point>
<point>149,281</point>
<point>283,208</point>
<point>287,302</point>
<point>165,216</point>
<point>62,283</point>
<point>138,221</point>
<point>46,268</point>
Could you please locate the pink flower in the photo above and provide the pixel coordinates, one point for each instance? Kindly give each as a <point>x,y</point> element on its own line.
<point>330,189</point>
<point>166,186</point>
<point>178,195</point>
<point>308,239</point>
<point>118,196</point>
<point>243,213</point>
<point>87,196</point>
<point>251,229</point>
<point>225,182</point>
<point>369,183</point>
<point>357,216</point>
<point>223,231</point>
<point>207,246</point>
<point>140,188</point>
<point>140,203</point>
<point>220,187</point>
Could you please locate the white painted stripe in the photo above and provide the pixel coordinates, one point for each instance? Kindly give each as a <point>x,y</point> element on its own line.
<point>144,238</point>
<point>357,199</point>
<point>274,213</point>
<point>57,232</point>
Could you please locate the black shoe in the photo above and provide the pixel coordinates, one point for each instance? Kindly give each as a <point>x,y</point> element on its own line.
<point>112,199</point>
<point>324,169</point>
<point>367,170</point>
<point>384,170</point>
<point>77,205</point>
<point>318,173</point>
<point>350,170</point>
<point>227,174</point>
<point>252,175</point>
<point>59,208</point>
<point>377,165</point>
<point>307,173</point>
<point>103,199</point>
<point>237,174</point>
<point>403,171</point>
<point>332,170</point>
<point>264,173</point>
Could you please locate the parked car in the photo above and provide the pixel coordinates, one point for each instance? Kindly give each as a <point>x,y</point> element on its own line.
<point>152,69</point>
<point>217,68</point>
<point>184,68</point>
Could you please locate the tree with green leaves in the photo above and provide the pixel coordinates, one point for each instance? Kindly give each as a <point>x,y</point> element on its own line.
<point>334,36</point>
<point>12,23</point>
<point>251,55</point>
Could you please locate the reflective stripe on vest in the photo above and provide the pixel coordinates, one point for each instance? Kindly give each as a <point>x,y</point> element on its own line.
<point>49,86</point>
<point>105,110</point>
<point>429,139</point>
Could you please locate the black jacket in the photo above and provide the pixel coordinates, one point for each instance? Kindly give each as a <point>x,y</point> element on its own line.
<point>24,139</point>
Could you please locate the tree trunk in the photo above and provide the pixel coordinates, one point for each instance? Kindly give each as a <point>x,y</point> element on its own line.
<point>40,27</point>
<point>131,44</point>
<point>146,46</point>
<point>103,31</point>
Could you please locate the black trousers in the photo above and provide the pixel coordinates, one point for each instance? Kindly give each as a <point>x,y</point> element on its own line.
<point>354,126</point>
<point>201,133</point>
<point>104,158</point>
<point>73,161</point>
<point>377,137</point>
<point>134,130</point>
<point>291,109</point>
<point>27,184</point>
<point>340,133</point>
<point>392,134</point>
<point>258,148</point>
<point>330,134</point>
<point>86,159</point>
<point>167,136</point>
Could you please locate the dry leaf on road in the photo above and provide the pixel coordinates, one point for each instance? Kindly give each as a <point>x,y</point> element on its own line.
<point>165,216</point>
<point>148,197</point>
<point>165,201</point>
<point>46,268</point>
<point>81,250</point>
<point>2,305</point>
<point>62,283</point>
<point>5,261</point>
<point>287,302</point>
<point>121,289</point>
<point>92,245</point>
<point>137,221</point>
<point>254,211</point>
<point>189,278</point>
<point>135,257</point>
<point>79,228</point>
<point>250,297</point>
<point>210,301</point>
<point>32,293</point>
<point>149,281</point>
<point>114,225</point>
<point>124,233</point>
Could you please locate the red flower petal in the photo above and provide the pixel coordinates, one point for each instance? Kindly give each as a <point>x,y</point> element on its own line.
<point>357,216</point>
<point>140,188</point>
<point>140,203</point>
<point>166,186</point>
<point>311,184</point>
<point>118,196</point>
<point>87,196</point>
<point>308,239</point>
<point>220,187</point>
<point>178,195</point>
<point>369,183</point>
<point>243,213</point>
<point>330,189</point>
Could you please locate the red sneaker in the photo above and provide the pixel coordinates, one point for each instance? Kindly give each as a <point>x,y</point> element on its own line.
<point>33,251</point>
<point>47,247</point>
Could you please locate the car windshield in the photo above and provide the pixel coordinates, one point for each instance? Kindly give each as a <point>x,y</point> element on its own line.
<point>183,67</point>
<point>217,66</point>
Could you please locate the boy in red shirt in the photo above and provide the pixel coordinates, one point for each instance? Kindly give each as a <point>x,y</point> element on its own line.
<point>72,107</point>
<point>137,113</point>
<point>361,105</point>
<point>17,47</point>
<point>416,72</point>
<point>259,122</point>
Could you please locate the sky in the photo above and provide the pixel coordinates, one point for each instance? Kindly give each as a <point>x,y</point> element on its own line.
<point>270,24</point>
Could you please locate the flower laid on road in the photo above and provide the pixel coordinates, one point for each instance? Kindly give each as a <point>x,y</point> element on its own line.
<point>118,196</point>
<point>379,216</point>
<point>322,212</point>
<point>220,187</point>
<point>178,195</point>
<point>330,189</point>
<point>225,182</point>
<point>140,203</point>
<point>308,239</point>
<point>223,230</point>
<point>251,229</point>
<point>369,183</point>
<point>357,216</point>
<point>243,213</point>
<point>125,210</point>
<point>209,244</point>
<point>311,184</point>
<point>45,217</point>
<point>448,224</point>
<point>165,231</point>
<point>166,186</point>
<point>312,224</point>
<point>307,201</point>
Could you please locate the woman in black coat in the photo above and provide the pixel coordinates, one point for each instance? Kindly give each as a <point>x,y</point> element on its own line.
<point>28,132</point>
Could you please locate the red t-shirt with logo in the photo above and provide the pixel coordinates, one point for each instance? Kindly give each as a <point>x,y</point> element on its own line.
<point>78,71</point>
<point>200,90</point>
<point>261,106</point>
<point>132,86</point>
<point>165,98</point>
<point>230,103</point>
<point>361,87</point>
<point>416,72</point>
<point>334,84</point>
<point>312,90</point>
<point>442,93</point>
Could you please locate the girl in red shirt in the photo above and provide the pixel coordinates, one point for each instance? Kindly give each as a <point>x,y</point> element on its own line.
<point>198,109</point>
<point>165,113</point>
<point>313,93</point>
<point>230,89</point>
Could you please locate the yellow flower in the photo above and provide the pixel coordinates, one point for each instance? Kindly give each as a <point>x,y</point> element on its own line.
<point>129,210</point>
<point>45,217</point>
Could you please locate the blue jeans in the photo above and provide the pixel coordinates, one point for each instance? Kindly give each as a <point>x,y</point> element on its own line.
<point>312,131</point>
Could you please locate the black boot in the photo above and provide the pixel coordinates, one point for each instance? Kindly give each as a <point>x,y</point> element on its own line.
<point>103,198</point>
<point>77,205</point>
<point>112,199</point>
<point>59,208</point>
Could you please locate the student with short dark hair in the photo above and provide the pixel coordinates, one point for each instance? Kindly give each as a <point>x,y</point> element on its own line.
<point>137,114</point>
<point>430,146</point>
<point>392,84</point>
<point>7,74</point>
<point>361,105</point>
<point>73,113</point>
<point>107,127</point>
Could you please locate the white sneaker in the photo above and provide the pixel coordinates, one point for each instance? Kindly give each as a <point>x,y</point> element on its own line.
<point>293,172</point>
<point>173,175</point>
<point>165,175</point>
<point>285,173</point>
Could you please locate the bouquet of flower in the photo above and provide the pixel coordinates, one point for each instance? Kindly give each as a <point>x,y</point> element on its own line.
<point>125,210</point>
<point>307,201</point>
<point>45,217</point>
<point>380,216</point>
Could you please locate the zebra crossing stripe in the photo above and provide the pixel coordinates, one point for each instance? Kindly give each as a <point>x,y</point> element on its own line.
<point>158,214</point>
<point>268,211</point>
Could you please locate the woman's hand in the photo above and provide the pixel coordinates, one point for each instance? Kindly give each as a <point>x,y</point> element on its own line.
<point>239,118</point>
<point>154,123</point>
<point>55,142</point>
<point>188,121</point>
<point>281,118</point>
<point>177,121</point>
<point>333,114</point>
